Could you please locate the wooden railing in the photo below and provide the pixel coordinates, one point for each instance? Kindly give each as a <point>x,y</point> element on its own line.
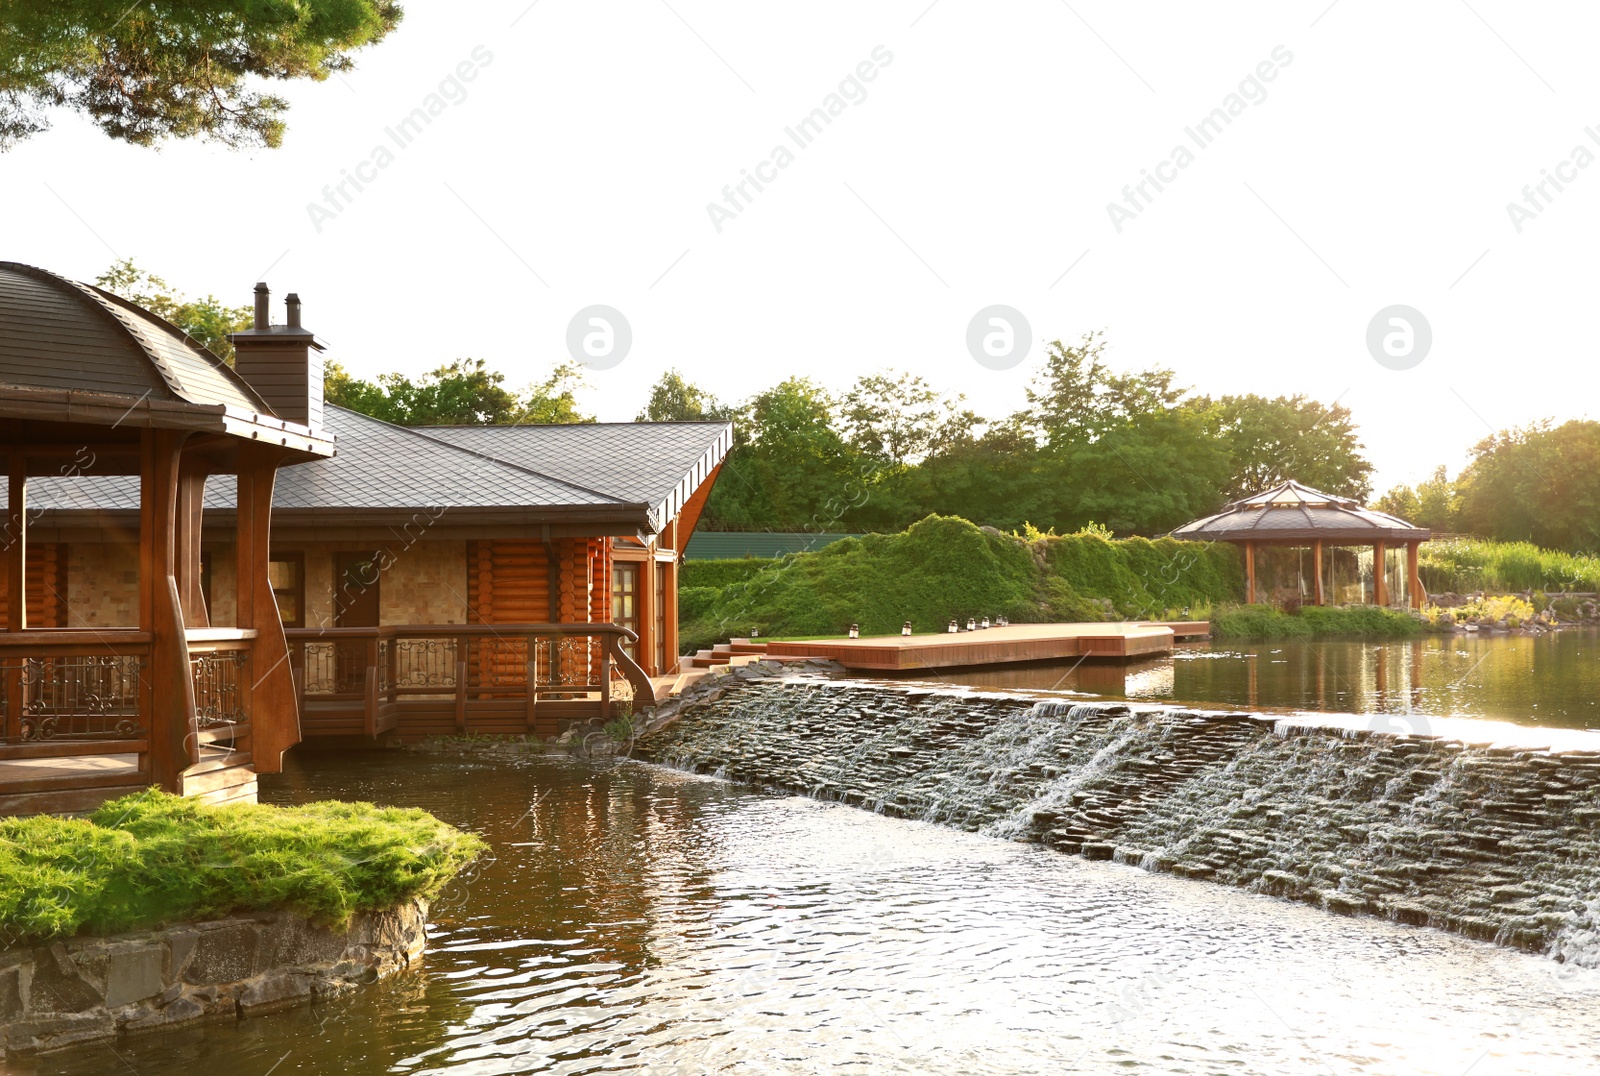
<point>455,669</point>
<point>69,687</point>
<point>219,663</point>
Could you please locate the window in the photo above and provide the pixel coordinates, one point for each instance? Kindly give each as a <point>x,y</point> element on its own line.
<point>625,600</point>
<point>287,574</point>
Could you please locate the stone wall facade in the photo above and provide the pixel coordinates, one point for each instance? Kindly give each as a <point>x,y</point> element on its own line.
<point>425,583</point>
<point>90,989</point>
<point>103,585</point>
<point>1492,842</point>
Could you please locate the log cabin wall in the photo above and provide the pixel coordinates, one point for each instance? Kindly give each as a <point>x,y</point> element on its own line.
<point>47,586</point>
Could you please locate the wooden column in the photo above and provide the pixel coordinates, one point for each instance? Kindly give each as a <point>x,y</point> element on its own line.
<point>1249,573</point>
<point>191,505</point>
<point>168,682</point>
<point>1380,578</point>
<point>15,537</point>
<point>274,705</point>
<point>1413,577</point>
<point>1316,576</point>
<point>671,623</point>
<point>644,609</point>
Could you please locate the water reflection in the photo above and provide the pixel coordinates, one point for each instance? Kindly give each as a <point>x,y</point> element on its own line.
<point>636,919</point>
<point>1551,680</point>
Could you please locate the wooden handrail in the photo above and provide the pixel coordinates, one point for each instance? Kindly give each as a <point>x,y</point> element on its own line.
<point>62,639</point>
<point>219,635</point>
<point>502,631</point>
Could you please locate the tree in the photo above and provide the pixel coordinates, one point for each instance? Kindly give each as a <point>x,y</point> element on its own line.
<point>1539,484</point>
<point>902,420</point>
<point>464,392</point>
<point>675,400</point>
<point>789,468</point>
<point>206,320</point>
<point>173,68</point>
<point>1433,503</point>
<point>1288,437</point>
<point>1076,397</point>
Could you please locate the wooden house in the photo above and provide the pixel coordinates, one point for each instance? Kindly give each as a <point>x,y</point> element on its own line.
<point>434,580</point>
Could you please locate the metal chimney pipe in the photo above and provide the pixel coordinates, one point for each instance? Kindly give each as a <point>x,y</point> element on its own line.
<point>292,301</point>
<point>263,298</point>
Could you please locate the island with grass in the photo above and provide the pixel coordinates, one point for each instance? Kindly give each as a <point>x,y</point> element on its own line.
<point>156,910</point>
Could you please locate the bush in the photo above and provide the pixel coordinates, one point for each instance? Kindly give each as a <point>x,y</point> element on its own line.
<point>151,858</point>
<point>719,573</point>
<point>1260,622</point>
<point>1463,565</point>
<point>944,567</point>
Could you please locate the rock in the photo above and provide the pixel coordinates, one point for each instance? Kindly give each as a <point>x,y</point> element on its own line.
<point>224,952</point>
<point>58,986</point>
<point>179,1011</point>
<point>273,990</point>
<point>54,1032</point>
<point>134,974</point>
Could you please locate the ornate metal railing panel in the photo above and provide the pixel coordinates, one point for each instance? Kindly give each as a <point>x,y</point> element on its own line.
<point>335,666</point>
<point>79,697</point>
<point>221,687</point>
<point>568,661</point>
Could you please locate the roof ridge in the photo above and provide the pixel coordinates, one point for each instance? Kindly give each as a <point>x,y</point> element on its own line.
<point>94,302</point>
<point>216,360</point>
<point>555,425</point>
<point>415,431</point>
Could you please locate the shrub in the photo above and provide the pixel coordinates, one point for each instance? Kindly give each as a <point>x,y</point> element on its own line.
<point>719,573</point>
<point>944,567</point>
<point>1247,622</point>
<point>1463,565</point>
<point>151,858</point>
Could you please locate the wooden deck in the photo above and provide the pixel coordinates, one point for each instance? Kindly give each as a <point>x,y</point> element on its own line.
<point>1120,641</point>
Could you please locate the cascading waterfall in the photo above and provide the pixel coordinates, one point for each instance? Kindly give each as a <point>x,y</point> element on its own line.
<point>1492,842</point>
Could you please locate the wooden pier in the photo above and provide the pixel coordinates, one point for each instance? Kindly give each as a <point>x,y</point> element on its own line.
<point>1118,641</point>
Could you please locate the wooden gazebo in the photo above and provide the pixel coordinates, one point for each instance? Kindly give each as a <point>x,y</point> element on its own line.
<point>91,385</point>
<point>1303,545</point>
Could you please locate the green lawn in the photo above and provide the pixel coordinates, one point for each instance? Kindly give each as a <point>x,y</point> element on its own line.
<point>151,858</point>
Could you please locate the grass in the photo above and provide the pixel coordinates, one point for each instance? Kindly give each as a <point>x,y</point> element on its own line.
<point>151,858</point>
<point>943,568</point>
<point>1467,565</point>
<point>1263,622</point>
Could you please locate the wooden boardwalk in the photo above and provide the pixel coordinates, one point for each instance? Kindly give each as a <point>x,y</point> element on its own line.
<point>1122,641</point>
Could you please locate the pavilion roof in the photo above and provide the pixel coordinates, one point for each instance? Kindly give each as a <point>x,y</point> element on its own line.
<point>72,352</point>
<point>1291,512</point>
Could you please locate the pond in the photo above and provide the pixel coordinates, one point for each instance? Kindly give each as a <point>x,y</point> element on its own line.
<point>1548,680</point>
<point>638,919</point>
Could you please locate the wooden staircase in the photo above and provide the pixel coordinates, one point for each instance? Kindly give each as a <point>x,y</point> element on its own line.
<point>731,653</point>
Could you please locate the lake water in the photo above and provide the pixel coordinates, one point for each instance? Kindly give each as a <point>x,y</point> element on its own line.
<point>637,919</point>
<point>1549,680</point>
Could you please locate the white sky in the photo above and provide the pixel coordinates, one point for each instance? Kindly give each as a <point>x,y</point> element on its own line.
<point>976,170</point>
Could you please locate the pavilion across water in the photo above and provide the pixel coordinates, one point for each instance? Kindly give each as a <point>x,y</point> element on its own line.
<point>1304,546</point>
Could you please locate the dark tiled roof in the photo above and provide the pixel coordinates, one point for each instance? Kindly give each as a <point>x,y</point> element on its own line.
<point>659,464</point>
<point>381,467</point>
<point>1290,511</point>
<point>59,334</point>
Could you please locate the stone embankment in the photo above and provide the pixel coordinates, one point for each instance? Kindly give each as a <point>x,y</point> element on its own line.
<point>87,989</point>
<point>1492,842</point>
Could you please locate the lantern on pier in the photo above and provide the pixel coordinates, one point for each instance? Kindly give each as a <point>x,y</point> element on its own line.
<point>905,629</point>
<point>855,631</point>
<point>952,629</point>
<point>972,625</point>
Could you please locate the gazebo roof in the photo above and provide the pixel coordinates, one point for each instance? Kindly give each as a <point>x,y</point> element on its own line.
<point>72,352</point>
<point>1290,512</point>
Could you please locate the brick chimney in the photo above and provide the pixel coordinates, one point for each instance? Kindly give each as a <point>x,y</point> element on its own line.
<point>281,362</point>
